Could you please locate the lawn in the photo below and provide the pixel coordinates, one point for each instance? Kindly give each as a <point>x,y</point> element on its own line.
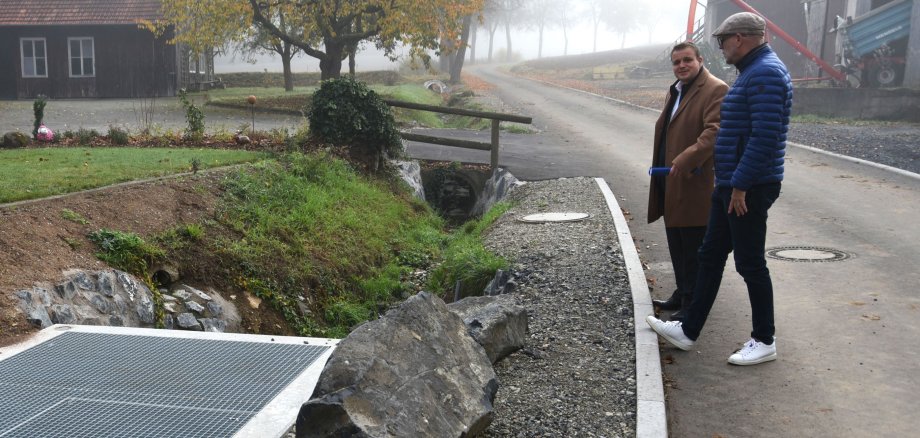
<point>37,173</point>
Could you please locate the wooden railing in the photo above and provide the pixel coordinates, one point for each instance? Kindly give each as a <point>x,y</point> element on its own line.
<point>496,118</point>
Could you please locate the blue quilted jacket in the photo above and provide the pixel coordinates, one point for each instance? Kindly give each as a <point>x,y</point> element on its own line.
<point>751,142</point>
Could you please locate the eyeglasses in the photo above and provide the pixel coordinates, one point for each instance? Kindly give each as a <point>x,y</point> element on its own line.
<point>721,39</point>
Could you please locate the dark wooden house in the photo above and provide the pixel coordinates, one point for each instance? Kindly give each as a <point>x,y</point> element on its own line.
<point>90,49</point>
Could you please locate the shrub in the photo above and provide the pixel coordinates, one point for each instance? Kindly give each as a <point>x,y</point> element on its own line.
<point>86,136</point>
<point>118,136</point>
<point>125,251</point>
<point>193,116</point>
<point>347,112</point>
<point>38,109</point>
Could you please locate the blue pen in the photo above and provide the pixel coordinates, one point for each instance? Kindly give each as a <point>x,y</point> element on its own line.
<point>664,171</point>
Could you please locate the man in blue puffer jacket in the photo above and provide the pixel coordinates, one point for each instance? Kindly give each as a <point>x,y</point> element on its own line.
<point>749,152</point>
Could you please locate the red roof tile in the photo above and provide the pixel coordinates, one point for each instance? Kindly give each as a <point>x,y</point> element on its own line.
<point>76,12</point>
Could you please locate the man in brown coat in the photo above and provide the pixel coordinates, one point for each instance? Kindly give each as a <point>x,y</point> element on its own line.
<point>684,137</point>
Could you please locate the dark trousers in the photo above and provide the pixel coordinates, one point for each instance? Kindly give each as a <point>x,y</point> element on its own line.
<point>746,235</point>
<point>684,245</point>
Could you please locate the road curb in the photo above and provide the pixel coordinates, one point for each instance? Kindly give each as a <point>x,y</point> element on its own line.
<point>651,416</point>
<point>901,172</point>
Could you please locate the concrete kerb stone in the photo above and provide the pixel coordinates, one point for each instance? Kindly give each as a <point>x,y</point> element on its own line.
<point>651,417</point>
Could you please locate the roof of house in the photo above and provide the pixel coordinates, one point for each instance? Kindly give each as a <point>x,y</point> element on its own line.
<point>76,12</point>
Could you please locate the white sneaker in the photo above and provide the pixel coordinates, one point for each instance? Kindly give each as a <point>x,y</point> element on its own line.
<point>754,352</point>
<point>671,331</point>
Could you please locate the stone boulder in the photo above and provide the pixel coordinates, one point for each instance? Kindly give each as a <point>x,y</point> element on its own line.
<point>116,298</point>
<point>414,372</point>
<point>495,190</point>
<point>14,140</point>
<point>496,323</point>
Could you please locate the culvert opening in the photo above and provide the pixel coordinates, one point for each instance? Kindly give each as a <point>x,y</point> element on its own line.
<point>453,189</point>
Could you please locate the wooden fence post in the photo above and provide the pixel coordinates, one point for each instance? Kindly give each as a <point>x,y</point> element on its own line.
<point>494,160</point>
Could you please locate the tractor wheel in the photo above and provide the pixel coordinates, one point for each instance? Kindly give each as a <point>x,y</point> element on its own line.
<point>886,75</point>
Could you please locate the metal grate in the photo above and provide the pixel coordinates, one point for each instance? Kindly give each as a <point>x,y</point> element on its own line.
<point>99,384</point>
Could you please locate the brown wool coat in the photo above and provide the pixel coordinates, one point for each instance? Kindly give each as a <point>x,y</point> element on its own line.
<point>690,139</point>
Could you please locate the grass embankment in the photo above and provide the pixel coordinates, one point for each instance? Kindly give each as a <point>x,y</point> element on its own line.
<point>37,173</point>
<point>306,231</point>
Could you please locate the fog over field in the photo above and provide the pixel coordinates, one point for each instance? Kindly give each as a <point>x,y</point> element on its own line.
<point>655,21</point>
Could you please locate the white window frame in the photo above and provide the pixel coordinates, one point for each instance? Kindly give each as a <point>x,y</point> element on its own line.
<point>70,57</point>
<point>22,57</point>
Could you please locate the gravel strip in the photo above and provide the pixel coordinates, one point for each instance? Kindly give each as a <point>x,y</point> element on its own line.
<point>576,375</point>
<point>892,144</point>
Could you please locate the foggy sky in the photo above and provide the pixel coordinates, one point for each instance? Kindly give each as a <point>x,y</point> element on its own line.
<point>671,26</point>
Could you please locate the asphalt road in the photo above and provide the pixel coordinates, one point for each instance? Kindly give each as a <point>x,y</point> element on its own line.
<point>847,331</point>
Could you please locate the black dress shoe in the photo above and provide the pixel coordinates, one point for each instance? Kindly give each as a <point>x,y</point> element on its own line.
<point>681,314</point>
<point>672,303</point>
<point>678,315</point>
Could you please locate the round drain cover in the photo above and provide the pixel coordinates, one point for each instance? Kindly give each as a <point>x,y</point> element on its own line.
<point>554,217</point>
<point>812,254</point>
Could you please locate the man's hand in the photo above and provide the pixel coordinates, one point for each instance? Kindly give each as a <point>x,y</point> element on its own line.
<point>675,171</point>
<point>737,203</point>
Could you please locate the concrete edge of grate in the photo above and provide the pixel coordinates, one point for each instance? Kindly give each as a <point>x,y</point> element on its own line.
<point>651,417</point>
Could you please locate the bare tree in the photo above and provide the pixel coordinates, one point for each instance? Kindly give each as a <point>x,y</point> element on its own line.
<point>594,11</point>
<point>261,41</point>
<point>566,17</point>
<point>621,17</point>
<point>539,15</point>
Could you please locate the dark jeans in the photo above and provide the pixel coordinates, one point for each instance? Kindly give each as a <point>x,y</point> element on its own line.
<point>746,235</point>
<point>684,245</point>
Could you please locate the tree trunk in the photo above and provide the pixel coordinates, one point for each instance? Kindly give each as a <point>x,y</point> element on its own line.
<point>508,39</point>
<point>565,37</point>
<point>491,40</point>
<point>330,66</point>
<point>286,67</point>
<point>594,50</point>
<point>351,63</point>
<point>474,30</point>
<point>456,66</point>
<point>623,41</point>
<point>540,44</point>
<point>445,56</point>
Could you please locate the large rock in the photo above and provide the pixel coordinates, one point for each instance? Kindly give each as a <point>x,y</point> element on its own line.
<point>496,323</point>
<point>415,372</point>
<point>14,140</point>
<point>499,186</point>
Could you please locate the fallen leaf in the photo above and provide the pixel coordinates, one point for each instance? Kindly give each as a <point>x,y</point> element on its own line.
<point>857,303</point>
<point>871,317</point>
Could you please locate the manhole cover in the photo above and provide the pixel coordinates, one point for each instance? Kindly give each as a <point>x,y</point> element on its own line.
<point>554,217</point>
<point>812,254</point>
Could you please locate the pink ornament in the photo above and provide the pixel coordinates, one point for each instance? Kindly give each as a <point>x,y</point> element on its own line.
<point>45,133</point>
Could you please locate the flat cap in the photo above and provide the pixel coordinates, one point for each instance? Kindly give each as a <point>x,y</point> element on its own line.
<point>744,23</point>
